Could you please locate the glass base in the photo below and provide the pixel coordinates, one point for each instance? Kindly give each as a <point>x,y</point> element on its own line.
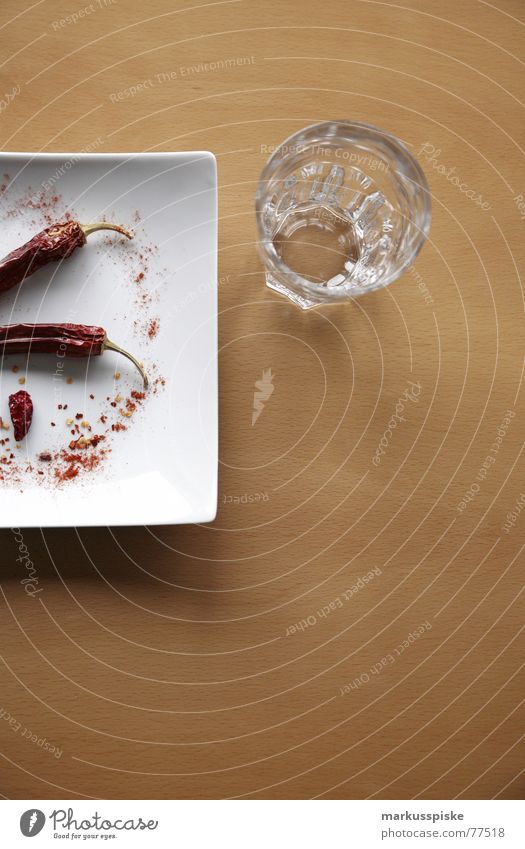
<point>295,297</point>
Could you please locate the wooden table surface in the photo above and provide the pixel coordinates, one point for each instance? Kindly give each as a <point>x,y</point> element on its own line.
<point>250,657</point>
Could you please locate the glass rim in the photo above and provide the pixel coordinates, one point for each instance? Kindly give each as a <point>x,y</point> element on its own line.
<point>370,131</point>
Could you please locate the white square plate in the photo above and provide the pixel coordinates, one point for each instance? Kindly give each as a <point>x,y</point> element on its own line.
<point>163,468</point>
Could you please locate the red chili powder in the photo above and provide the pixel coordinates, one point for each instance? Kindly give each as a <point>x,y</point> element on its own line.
<point>153,328</point>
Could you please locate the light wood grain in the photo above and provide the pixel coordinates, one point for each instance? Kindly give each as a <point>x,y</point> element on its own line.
<point>158,660</point>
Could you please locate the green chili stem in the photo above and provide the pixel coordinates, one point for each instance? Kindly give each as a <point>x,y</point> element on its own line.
<point>110,346</point>
<point>87,229</point>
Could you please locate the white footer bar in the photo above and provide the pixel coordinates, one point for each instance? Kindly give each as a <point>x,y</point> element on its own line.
<point>263,824</point>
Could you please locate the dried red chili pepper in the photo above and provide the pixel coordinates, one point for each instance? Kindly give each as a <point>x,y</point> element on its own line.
<point>64,340</point>
<point>21,410</point>
<point>50,245</point>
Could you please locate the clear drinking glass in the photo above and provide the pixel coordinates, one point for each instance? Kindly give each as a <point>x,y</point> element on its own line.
<point>342,209</point>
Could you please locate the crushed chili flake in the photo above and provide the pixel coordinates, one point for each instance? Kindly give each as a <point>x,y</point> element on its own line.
<point>153,328</point>
<point>45,456</point>
<point>86,441</point>
<point>67,474</point>
<point>158,384</point>
<point>118,426</point>
<point>44,206</point>
<point>88,461</point>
